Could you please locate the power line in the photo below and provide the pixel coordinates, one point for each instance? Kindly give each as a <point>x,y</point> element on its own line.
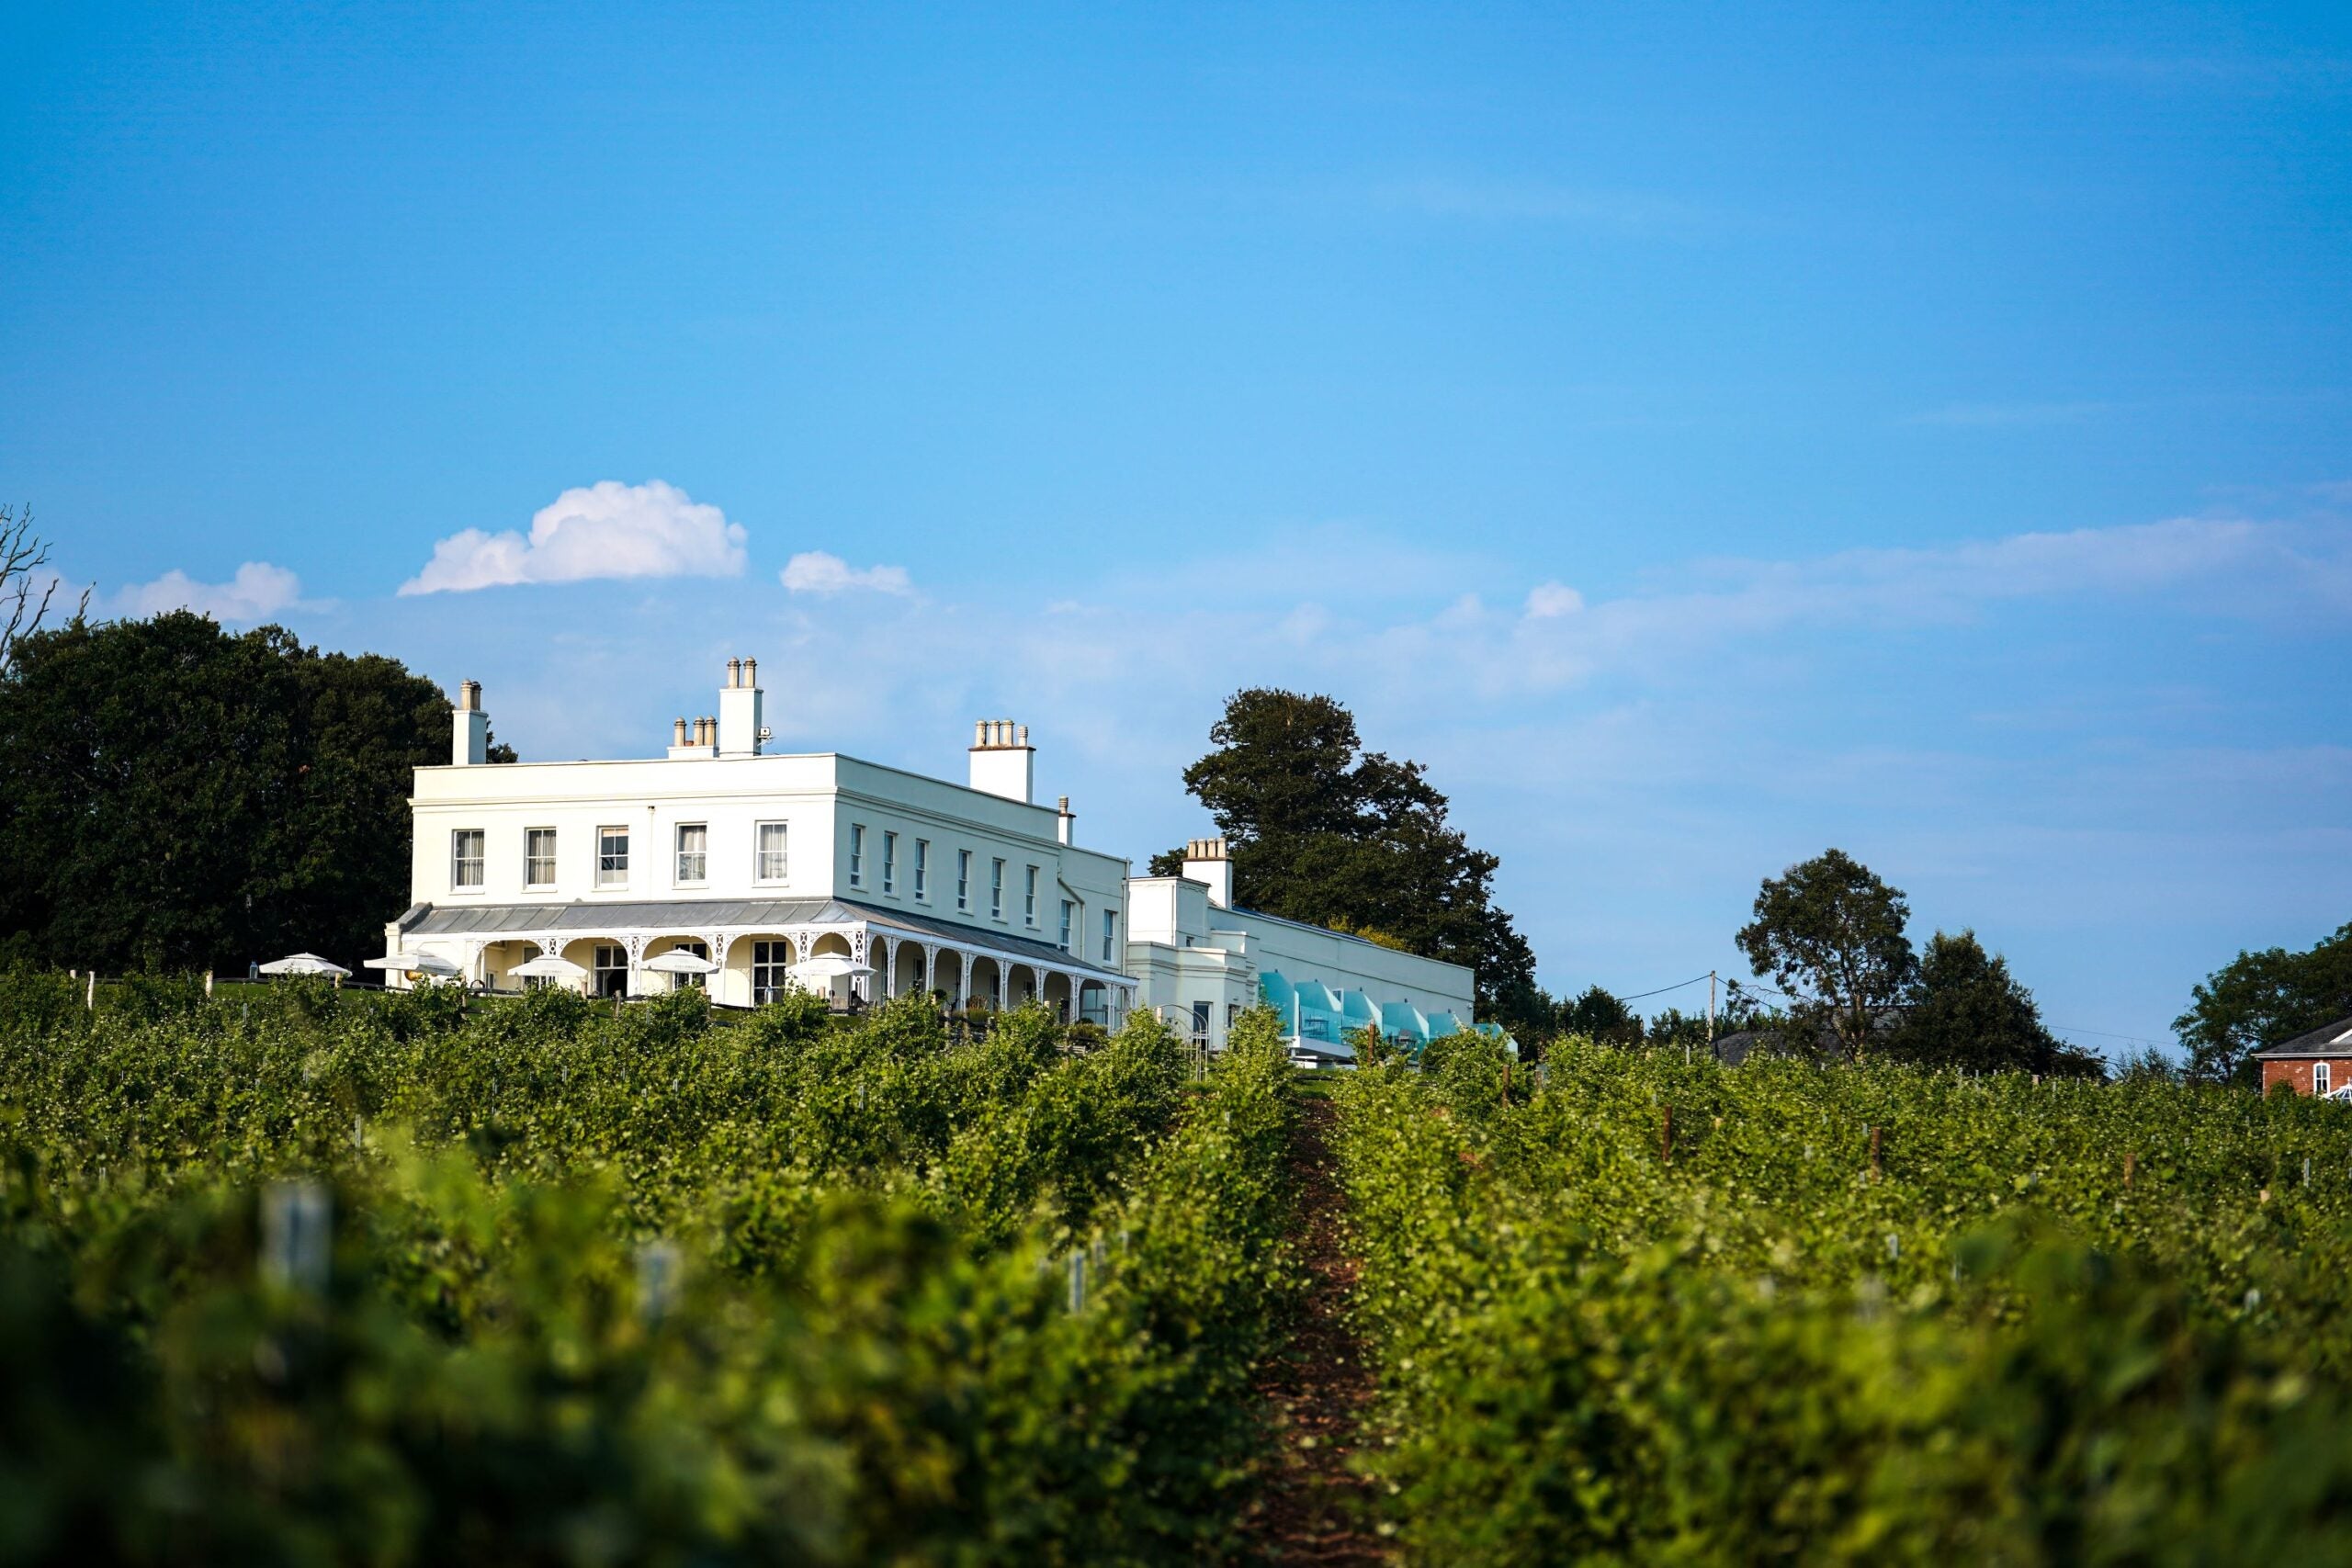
<point>2104,1035</point>
<point>1637,996</point>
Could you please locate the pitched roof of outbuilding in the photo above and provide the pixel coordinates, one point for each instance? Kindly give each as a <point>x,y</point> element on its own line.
<point>2327,1039</point>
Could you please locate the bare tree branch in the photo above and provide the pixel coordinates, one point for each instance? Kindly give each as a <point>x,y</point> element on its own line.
<point>23,554</point>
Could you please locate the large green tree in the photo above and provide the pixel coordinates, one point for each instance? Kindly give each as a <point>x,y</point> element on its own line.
<point>174,795</point>
<point>1598,1015</point>
<point>1967,1011</point>
<point>2260,999</point>
<point>1831,935</point>
<point>1323,831</point>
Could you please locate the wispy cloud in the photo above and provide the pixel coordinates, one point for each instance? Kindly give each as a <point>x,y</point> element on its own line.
<point>817,572</point>
<point>607,530</point>
<point>257,591</point>
<point>1546,600</point>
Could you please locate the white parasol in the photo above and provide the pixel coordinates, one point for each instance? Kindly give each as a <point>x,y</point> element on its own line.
<point>304,963</point>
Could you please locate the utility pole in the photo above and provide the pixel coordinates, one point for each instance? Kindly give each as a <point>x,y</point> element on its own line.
<point>1711,1012</point>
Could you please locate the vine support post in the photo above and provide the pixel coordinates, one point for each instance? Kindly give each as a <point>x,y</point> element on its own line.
<point>1666,1138</point>
<point>2130,1161</point>
<point>1874,1166</point>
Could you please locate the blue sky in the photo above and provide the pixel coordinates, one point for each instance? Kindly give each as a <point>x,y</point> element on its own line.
<point>1700,435</point>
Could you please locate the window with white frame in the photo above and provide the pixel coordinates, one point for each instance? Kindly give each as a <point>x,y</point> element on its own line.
<point>1068,911</point>
<point>465,858</point>
<point>889,861</point>
<point>1029,899</point>
<point>694,854</point>
<point>857,855</point>
<point>996,890</point>
<point>1110,936</point>
<point>539,857</point>
<point>2319,1078</point>
<point>612,857</point>
<point>770,863</point>
<point>611,972</point>
<point>771,962</point>
<point>922,868</point>
<point>963,879</point>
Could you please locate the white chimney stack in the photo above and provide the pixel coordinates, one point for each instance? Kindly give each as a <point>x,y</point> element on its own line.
<point>1003,762</point>
<point>1069,823</point>
<point>470,736</point>
<point>691,737</point>
<point>1205,860</point>
<point>738,710</point>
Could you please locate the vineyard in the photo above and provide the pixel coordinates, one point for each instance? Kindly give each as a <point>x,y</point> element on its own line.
<point>317,1278</point>
<point>1631,1310</point>
<point>302,1276</point>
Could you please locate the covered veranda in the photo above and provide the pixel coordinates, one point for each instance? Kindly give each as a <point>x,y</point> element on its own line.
<point>754,944</point>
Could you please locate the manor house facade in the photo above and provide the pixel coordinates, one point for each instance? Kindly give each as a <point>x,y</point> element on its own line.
<point>760,863</point>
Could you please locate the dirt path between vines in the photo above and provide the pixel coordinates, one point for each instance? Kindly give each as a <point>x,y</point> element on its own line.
<point>1318,1390</point>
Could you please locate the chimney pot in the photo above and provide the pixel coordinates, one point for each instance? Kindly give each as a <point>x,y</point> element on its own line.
<point>734,672</point>
<point>678,733</point>
<point>999,765</point>
<point>751,671</point>
<point>1206,861</point>
<point>470,738</point>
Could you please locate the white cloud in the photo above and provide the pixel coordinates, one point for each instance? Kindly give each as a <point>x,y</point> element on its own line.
<point>257,591</point>
<point>814,572</point>
<point>1547,600</point>
<point>607,529</point>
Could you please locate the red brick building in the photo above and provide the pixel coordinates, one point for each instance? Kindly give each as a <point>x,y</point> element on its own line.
<point>2317,1063</point>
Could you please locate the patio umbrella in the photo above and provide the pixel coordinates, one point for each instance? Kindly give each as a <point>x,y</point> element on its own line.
<point>678,964</point>
<point>827,966</point>
<point>303,964</point>
<point>414,964</point>
<point>548,966</point>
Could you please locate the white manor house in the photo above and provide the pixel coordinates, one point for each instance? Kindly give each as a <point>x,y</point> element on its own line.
<point>772,870</point>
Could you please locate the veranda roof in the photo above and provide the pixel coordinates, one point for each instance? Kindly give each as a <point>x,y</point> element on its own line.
<point>589,917</point>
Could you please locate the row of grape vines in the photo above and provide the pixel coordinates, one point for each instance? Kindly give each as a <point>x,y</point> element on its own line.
<point>311,1277</point>
<point>1628,1309</point>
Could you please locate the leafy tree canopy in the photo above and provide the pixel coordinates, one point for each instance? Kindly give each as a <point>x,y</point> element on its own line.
<point>1831,935</point>
<point>172,795</point>
<point>1967,1011</point>
<point>2260,999</point>
<point>1322,830</point>
<point>1599,1016</point>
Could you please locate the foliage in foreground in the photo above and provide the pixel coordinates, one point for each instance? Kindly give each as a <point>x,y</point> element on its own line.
<point>2056,1324</point>
<point>634,1290</point>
